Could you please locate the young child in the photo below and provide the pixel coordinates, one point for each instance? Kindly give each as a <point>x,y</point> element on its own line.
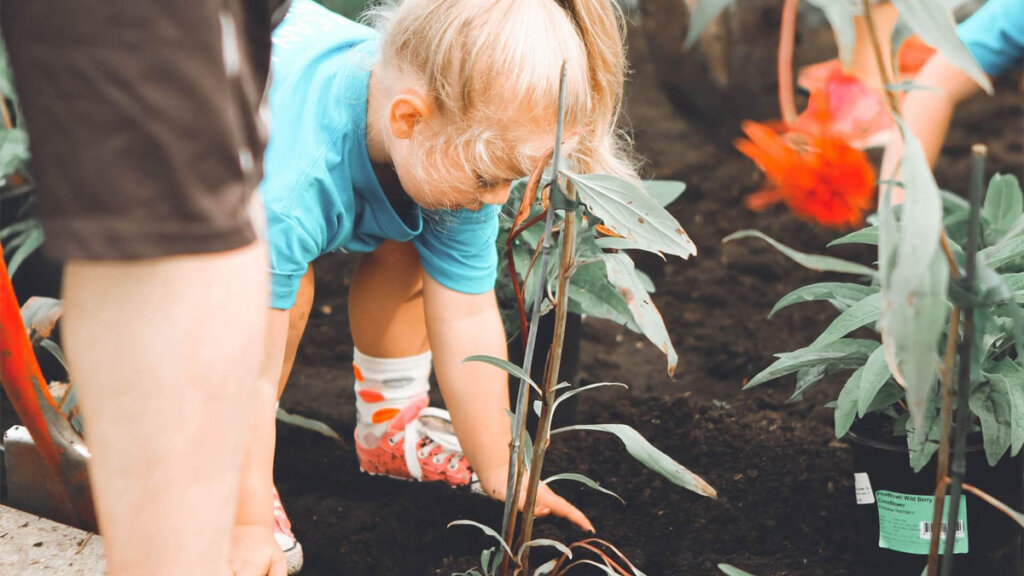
<point>400,144</point>
<point>995,37</point>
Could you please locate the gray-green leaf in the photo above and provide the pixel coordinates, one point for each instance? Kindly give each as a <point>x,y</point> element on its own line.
<point>628,211</point>
<point>814,262</point>
<point>649,456</point>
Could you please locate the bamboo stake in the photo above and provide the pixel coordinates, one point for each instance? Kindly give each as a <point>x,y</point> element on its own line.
<point>959,467</point>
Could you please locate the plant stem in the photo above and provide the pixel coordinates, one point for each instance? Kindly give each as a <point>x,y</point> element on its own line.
<point>787,39</point>
<point>946,414</point>
<point>517,457</point>
<point>959,467</point>
<point>568,241</point>
<point>883,70</point>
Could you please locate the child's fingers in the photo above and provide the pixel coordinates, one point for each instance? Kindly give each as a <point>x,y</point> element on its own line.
<point>562,508</point>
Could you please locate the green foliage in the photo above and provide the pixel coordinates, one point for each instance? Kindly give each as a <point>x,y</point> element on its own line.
<point>936,27</point>
<point>649,456</point>
<point>732,570</point>
<point>840,14</point>
<point>24,235</point>
<point>909,309</point>
<point>605,284</point>
<point>701,15</point>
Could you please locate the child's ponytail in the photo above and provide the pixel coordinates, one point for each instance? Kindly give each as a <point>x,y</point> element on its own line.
<point>601,29</point>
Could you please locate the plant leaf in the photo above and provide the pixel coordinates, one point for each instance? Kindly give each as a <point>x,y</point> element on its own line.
<point>307,423</point>
<point>700,16</point>
<point>732,570</point>
<point>664,192</point>
<point>592,294</point>
<point>649,456</point>
<point>814,262</point>
<point>937,28</point>
<point>620,274</point>
<point>545,542</point>
<point>1004,203</point>
<point>1010,376</point>
<point>876,374</point>
<point>1008,251</point>
<point>846,404</point>
<point>868,235</point>
<point>576,391</point>
<point>991,402</point>
<point>506,366</point>
<point>585,481</point>
<point>860,314</point>
<point>914,280</point>
<point>486,530</point>
<point>842,295</point>
<point>848,352</point>
<point>628,211</point>
<point>840,14</point>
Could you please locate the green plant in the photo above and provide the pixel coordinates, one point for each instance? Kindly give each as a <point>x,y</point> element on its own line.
<point>573,208</point>
<point>997,398</point>
<point>23,235</point>
<point>930,279</point>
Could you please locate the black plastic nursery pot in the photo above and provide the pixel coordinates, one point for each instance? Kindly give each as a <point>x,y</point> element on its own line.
<point>894,512</point>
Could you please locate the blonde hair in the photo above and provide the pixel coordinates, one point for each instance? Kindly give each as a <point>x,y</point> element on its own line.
<point>481,62</point>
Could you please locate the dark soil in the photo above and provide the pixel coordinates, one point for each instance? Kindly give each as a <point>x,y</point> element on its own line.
<point>785,502</point>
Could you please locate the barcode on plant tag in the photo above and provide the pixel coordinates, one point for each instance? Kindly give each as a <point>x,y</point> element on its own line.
<point>926,530</point>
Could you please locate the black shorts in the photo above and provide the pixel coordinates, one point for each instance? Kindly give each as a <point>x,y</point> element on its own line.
<point>144,120</point>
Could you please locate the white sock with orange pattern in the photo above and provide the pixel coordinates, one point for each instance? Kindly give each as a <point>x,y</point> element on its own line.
<point>384,386</point>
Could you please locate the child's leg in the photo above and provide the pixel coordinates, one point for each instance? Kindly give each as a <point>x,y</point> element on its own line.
<point>392,358</point>
<point>395,436</point>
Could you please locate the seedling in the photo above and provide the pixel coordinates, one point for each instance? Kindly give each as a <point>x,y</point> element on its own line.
<point>588,221</point>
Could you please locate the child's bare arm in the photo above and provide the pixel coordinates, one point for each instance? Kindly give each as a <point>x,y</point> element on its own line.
<point>927,113</point>
<point>461,325</point>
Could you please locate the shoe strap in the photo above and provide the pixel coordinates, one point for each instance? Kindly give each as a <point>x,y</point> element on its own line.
<point>415,432</point>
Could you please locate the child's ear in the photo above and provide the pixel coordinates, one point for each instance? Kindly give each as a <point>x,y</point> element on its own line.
<point>407,111</point>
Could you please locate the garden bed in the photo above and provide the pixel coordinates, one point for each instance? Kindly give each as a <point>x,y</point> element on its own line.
<point>786,502</point>
<point>785,486</point>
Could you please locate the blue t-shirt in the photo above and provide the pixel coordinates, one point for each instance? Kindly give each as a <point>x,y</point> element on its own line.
<point>320,190</point>
<point>995,35</point>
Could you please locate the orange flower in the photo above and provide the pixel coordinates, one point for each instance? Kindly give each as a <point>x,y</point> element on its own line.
<point>818,175</point>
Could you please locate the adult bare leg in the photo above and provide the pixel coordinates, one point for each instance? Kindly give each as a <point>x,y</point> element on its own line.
<point>165,352</point>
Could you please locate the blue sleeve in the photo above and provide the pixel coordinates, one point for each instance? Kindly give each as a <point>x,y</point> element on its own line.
<point>457,248</point>
<point>995,35</point>
<point>292,248</point>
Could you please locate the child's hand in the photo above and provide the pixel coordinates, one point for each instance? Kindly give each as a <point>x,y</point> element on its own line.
<point>254,552</point>
<point>495,485</point>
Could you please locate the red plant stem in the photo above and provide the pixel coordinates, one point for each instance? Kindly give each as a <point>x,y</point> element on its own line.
<point>529,195</point>
<point>23,381</point>
<point>787,41</point>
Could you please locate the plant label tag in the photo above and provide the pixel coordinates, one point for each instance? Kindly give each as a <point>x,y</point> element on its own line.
<point>862,487</point>
<point>905,523</point>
